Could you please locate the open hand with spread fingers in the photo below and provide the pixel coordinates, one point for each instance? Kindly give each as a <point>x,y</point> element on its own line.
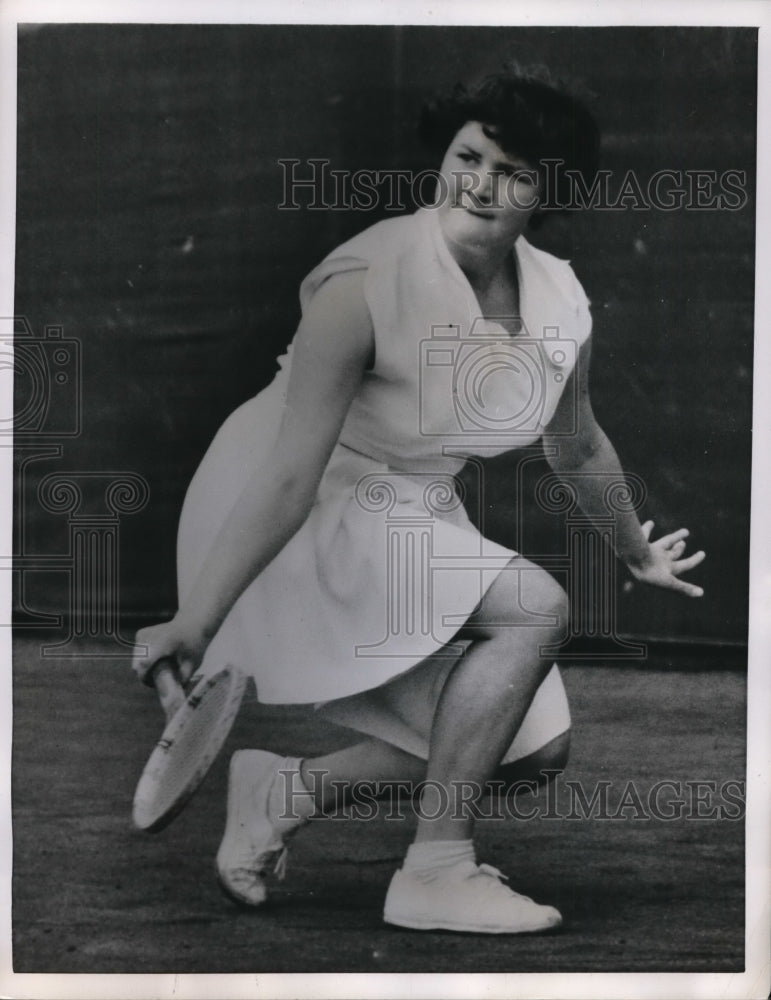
<point>664,566</point>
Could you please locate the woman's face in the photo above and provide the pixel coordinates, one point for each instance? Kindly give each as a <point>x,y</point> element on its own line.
<point>486,196</point>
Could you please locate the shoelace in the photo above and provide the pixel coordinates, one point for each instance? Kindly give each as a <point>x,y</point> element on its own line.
<point>489,870</point>
<point>280,870</point>
<point>253,868</point>
<point>281,864</point>
<point>281,859</point>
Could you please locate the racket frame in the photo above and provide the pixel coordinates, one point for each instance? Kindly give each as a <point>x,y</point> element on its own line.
<point>147,816</point>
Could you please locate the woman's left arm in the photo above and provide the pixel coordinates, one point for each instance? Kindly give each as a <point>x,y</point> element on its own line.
<point>575,443</point>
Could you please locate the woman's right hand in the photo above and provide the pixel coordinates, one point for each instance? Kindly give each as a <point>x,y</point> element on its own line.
<point>174,640</point>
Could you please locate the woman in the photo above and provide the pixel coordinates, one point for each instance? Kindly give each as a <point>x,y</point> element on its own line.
<point>322,501</point>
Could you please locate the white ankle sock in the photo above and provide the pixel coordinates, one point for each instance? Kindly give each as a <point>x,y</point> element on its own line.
<point>428,857</point>
<point>290,801</point>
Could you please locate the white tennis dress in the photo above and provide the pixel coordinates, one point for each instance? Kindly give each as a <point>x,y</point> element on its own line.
<point>388,566</point>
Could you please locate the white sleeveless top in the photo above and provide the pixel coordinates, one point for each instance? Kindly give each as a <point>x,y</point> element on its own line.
<point>445,379</point>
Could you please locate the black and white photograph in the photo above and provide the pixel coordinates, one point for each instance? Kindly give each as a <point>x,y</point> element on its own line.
<point>384,422</point>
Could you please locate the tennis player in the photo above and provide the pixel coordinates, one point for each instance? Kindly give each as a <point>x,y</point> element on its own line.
<point>294,553</point>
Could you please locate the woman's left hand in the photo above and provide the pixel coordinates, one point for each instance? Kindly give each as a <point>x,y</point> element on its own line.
<point>663,565</point>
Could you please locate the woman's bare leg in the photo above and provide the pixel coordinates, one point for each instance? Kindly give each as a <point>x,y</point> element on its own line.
<point>481,707</point>
<point>480,710</point>
<point>334,775</point>
<point>488,693</point>
<point>372,760</point>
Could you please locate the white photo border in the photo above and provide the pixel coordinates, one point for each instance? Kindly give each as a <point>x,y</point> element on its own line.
<point>754,982</point>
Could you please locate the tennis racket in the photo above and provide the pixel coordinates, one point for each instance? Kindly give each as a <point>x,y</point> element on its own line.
<point>198,720</point>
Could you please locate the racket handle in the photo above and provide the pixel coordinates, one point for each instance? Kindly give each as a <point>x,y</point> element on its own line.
<point>170,691</point>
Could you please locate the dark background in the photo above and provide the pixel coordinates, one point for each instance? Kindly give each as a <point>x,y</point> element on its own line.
<point>148,228</point>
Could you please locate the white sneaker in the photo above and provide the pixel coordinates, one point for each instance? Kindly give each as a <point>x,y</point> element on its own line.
<point>255,833</point>
<point>465,897</point>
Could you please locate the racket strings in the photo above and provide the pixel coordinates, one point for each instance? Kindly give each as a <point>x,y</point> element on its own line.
<point>187,748</point>
<point>191,740</point>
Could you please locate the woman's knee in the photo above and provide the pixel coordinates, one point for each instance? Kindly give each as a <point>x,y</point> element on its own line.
<point>522,595</point>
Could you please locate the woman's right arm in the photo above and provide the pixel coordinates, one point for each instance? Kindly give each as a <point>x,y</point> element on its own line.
<point>333,347</point>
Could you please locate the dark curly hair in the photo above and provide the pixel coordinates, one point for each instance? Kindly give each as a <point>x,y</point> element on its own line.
<point>528,113</point>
